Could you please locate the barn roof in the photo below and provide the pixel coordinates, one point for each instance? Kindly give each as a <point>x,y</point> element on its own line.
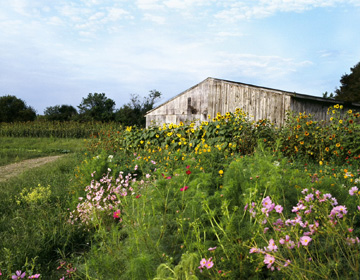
<point>292,94</point>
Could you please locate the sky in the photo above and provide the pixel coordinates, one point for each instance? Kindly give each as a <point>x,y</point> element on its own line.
<point>55,52</point>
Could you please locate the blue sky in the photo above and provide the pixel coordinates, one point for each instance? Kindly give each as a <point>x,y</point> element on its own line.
<point>55,52</point>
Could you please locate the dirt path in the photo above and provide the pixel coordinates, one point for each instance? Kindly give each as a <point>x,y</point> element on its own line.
<point>14,169</point>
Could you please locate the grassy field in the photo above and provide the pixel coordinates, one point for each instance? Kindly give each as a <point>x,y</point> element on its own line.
<point>14,149</point>
<point>33,206</point>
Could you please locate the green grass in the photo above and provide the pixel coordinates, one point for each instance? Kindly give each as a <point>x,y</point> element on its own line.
<point>13,149</point>
<point>34,225</point>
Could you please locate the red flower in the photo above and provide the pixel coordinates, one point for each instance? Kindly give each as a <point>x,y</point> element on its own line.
<point>116,214</point>
<point>184,188</point>
<point>188,172</point>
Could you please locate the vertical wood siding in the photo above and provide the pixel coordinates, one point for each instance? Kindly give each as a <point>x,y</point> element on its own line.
<point>214,96</point>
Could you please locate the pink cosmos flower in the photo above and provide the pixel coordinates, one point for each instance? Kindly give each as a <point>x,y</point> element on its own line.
<point>212,248</point>
<point>353,190</point>
<point>18,275</point>
<point>35,276</point>
<point>338,211</point>
<point>254,250</point>
<point>269,260</point>
<point>279,208</point>
<point>272,246</point>
<point>209,264</point>
<point>309,197</point>
<point>203,262</point>
<point>305,240</point>
<point>206,263</point>
<point>267,203</point>
<point>184,188</point>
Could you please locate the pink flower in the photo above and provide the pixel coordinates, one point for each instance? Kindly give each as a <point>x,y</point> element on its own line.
<point>338,211</point>
<point>209,264</point>
<point>309,197</point>
<point>116,214</point>
<point>272,246</point>
<point>187,167</point>
<point>18,275</point>
<point>246,207</point>
<point>267,203</point>
<point>212,248</point>
<point>279,208</point>
<point>254,250</point>
<point>269,260</point>
<point>35,276</point>
<point>184,188</point>
<point>206,263</point>
<point>203,262</point>
<point>305,240</point>
<point>353,190</point>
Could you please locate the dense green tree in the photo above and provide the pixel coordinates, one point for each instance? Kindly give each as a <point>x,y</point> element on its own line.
<point>60,113</point>
<point>350,86</point>
<point>133,113</point>
<point>97,107</point>
<point>13,109</point>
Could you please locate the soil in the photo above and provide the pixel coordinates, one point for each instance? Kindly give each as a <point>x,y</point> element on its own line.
<point>14,169</point>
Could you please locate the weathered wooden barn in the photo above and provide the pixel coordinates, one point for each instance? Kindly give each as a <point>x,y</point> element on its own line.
<point>215,95</point>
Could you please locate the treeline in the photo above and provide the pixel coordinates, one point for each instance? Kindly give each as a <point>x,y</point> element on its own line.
<point>96,107</point>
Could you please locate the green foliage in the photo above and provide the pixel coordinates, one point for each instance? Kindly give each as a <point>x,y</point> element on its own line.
<point>37,227</point>
<point>350,86</point>
<point>13,109</point>
<point>133,113</point>
<point>41,128</point>
<point>60,113</point>
<point>96,107</point>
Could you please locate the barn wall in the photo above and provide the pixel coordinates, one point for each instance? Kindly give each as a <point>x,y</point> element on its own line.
<point>259,103</point>
<point>317,109</point>
<point>214,96</point>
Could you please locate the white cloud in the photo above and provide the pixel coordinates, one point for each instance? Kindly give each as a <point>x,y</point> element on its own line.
<point>115,14</point>
<point>155,18</point>
<point>265,8</point>
<point>149,4</point>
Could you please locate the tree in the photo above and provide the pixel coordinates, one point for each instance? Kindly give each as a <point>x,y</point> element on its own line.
<point>327,95</point>
<point>13,109</point>
<point>60,113</point>
<point>97,107</point>
<point>133,113</point>
<point>350,86</point>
